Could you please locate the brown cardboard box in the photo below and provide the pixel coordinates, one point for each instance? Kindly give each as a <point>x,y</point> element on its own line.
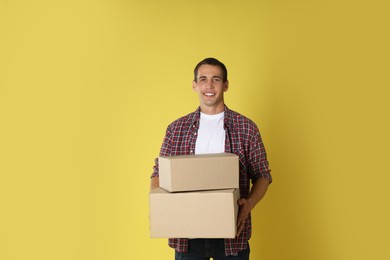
<point>200,214</point>
<point>199,172</point>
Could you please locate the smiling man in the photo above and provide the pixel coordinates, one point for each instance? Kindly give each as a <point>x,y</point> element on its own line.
<point>214,128</point>
<point>210,83</point>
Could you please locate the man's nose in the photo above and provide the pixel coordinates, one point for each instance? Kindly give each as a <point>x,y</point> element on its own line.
<point>209,84</point>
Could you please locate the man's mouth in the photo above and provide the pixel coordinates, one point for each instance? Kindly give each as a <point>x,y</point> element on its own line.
<point>208,94</point>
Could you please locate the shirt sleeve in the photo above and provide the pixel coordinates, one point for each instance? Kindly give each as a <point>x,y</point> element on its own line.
<point>164,151</point>
<point>258,162</point>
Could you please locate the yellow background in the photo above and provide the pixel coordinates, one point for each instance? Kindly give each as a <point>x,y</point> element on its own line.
<point>87,89</point>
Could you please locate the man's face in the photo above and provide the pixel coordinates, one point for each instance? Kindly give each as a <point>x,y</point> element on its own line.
<point>210,88</point>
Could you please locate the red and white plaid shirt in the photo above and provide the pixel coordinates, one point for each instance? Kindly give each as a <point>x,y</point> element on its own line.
<point>243,139</point>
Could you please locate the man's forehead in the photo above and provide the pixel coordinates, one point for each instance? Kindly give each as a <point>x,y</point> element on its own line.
<point>209,71</point>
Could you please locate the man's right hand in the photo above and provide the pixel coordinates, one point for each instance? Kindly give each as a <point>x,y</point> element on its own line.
<point>154,182</point>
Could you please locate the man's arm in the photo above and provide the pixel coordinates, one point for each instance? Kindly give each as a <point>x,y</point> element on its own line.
<point>165,150</point>
<point>259,188</point>
<point>154,182</point>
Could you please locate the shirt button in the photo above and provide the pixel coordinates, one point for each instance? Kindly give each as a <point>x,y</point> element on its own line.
<point>192,151</point>
<point>194,133</point>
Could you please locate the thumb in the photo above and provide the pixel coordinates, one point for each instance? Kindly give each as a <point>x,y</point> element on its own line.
<point>241,201</point>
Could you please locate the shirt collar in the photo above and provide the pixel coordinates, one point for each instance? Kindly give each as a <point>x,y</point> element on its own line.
<point>228,119</point>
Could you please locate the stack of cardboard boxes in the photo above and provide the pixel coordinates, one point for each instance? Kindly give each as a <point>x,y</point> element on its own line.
<point>197,197</point>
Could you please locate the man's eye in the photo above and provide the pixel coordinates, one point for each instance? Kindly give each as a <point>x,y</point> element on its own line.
<point>217,79</point>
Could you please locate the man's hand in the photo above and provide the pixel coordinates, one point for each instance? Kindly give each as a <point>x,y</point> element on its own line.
<point>154,182</point>
<point>258,191</point>
<point>246,206</point>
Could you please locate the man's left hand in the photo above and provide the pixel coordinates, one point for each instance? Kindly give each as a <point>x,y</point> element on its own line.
<point>243,213</point>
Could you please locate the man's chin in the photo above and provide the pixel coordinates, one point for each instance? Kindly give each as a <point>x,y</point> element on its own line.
<point>209,103</point>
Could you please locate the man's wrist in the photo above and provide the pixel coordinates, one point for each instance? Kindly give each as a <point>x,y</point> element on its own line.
<point>251,202</point>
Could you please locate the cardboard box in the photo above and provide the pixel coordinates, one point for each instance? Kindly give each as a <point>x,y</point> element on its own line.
<point>200,214</point>
<point>199,172</point>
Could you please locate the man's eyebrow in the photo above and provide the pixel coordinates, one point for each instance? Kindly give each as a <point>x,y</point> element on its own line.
<point>214,77</point>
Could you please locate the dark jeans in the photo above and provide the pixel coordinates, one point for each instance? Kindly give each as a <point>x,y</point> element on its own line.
<point>203,249</point>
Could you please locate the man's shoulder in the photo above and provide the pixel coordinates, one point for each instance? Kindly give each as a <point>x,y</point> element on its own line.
<point>239,119</point>
<point>185,120</point>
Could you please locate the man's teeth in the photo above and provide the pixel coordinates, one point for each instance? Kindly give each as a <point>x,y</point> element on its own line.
<point>209,94</point>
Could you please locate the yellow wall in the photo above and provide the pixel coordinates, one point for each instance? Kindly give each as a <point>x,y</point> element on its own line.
<point>88,87</point>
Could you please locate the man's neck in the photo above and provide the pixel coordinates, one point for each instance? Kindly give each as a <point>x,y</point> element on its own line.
<point>212,110</point>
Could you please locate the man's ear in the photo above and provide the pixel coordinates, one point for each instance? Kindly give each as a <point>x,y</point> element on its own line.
<point>193,85</point>
<point>226,86</point>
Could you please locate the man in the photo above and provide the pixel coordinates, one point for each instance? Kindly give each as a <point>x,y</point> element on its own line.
<point>214,128</point>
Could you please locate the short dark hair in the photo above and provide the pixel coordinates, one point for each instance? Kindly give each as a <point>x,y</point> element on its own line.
<point>214,62</point>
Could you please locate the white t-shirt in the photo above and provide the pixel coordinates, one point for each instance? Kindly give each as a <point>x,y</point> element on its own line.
<point>211,134</point>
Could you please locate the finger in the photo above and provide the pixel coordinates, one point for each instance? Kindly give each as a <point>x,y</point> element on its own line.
<point>239,223</point>
<point>239,229</point>
<point>241,218</point>
<point>240,226</point>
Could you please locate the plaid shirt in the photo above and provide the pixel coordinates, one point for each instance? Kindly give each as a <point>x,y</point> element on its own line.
<point>243,139</point>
